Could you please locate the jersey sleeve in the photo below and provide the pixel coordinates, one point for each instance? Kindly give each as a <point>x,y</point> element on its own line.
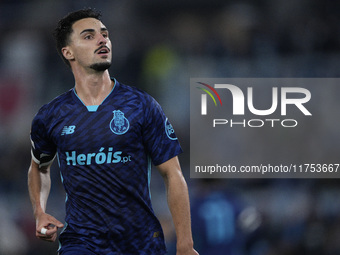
<point>158,134</point>
<point>43,150</point>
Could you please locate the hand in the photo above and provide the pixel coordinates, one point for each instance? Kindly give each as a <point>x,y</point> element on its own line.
<point>50,223</point>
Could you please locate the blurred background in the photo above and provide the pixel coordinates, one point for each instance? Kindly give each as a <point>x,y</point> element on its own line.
<point>158,46</point>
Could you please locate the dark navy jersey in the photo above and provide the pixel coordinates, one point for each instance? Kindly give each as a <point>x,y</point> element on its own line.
<point>105,154</point>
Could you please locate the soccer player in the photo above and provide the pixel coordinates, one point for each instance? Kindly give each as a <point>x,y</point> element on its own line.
<point>105,135</point>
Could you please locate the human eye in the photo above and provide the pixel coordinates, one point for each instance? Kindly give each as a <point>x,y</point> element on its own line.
<point>88,37</point>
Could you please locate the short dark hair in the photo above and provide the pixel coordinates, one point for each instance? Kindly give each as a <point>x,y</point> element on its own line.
<point>64,28</point>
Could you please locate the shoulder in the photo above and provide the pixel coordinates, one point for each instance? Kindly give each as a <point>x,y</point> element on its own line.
<point>135,94</point>
<point>57,102</point>
<point>131,90</point>
<point>53,107</point>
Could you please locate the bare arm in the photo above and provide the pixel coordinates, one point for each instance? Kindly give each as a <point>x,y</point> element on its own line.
<point>39,185</point>
<point>178,201</point>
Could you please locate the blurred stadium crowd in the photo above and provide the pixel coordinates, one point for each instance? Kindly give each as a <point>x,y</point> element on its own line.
<point>158,46</point>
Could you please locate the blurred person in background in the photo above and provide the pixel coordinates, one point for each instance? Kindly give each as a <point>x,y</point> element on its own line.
<point>223,224</point>
<point>105,135</point>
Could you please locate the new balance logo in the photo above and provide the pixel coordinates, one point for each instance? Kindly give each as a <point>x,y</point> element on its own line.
<point>67,130</point>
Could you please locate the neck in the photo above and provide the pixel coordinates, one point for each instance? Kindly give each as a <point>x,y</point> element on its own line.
<point>93,88</point>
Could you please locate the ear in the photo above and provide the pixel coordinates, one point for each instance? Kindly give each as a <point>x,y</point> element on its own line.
<point>67,53</point>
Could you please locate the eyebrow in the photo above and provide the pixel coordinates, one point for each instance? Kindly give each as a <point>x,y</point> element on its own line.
<point>103,29</point>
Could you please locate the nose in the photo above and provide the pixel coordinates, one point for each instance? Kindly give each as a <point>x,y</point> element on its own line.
<point>102,40</point>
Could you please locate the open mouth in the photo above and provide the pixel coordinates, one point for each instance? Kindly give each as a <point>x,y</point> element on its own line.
<point>102,50</point>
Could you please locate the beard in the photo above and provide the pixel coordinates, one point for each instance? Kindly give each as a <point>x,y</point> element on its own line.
<point>100,67</point>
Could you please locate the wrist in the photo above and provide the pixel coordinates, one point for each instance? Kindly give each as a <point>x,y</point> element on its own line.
<point>38,211</point>
<point>184,245</point>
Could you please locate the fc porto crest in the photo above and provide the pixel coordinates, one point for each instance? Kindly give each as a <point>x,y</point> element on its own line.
<point>119,124</point>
